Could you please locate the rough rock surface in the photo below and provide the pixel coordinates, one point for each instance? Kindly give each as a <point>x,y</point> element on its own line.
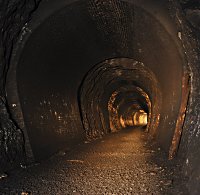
<point>13,15</point>
<point>187,22</point>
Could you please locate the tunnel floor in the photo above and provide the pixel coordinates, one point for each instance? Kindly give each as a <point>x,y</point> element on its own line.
<point>120,163</point>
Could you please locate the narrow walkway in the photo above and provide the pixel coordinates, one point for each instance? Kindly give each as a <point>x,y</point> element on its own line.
<point>120,163</point>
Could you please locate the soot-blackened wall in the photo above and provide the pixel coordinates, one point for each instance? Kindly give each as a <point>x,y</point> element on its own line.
<point>187,20</point>
<point>13,15</point>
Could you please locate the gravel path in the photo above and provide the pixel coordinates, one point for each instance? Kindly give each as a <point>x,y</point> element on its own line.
<point>120,163</point>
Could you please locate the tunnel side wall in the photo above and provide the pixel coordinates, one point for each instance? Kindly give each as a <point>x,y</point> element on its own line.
<point>190,144</point>
<point>13,16</point>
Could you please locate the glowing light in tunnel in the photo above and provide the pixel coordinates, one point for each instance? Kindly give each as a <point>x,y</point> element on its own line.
<point>140,118</point>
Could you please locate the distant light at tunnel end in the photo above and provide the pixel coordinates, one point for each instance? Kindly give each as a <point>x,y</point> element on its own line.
<point>139,119</point>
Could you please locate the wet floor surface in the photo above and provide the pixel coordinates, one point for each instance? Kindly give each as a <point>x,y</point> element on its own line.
<point>120,163</point>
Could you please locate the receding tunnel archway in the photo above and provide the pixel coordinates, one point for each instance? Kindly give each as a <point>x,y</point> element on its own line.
<point>114,87</point>
<point>57,49</point>
<point>124,106</point>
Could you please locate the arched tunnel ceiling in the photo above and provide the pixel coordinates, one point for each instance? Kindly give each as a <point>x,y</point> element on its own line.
<point>55,54</point>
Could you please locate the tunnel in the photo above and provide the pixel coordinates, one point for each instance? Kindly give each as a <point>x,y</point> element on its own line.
<point>84,70</point>
<point>70,62</point>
